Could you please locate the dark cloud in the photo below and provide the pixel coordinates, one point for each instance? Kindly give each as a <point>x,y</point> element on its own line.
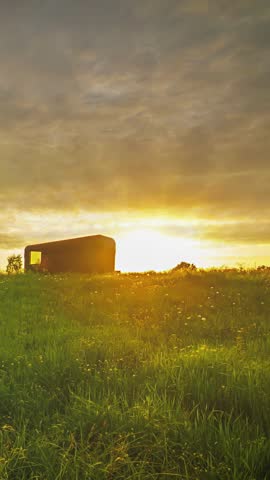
<point>139,105</point>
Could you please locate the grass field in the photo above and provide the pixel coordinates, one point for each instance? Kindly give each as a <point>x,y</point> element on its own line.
<point>140,376</point>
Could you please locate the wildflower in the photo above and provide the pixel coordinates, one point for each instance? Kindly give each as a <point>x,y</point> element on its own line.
<point>8,428</point>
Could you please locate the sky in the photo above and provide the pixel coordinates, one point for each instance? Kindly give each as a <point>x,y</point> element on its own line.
<point>145,120</point>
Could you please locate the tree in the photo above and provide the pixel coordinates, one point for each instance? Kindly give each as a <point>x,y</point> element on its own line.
<point>185,266</point>
<point>14,264</point>
<point>263,268</point>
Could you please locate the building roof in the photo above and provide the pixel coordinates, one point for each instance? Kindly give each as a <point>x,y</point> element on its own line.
<point>72,242</point>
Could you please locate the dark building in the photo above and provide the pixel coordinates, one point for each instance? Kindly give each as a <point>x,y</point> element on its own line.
<point>92,254</point>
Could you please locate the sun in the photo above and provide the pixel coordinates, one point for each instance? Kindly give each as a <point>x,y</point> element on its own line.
<point>148,249</point>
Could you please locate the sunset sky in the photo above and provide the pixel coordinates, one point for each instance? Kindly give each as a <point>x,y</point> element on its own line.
<point>145,120</point>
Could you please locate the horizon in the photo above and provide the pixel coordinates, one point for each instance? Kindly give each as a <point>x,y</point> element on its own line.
<point>149,251</point>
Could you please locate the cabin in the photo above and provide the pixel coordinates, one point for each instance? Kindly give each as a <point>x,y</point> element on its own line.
<point>91,254</point>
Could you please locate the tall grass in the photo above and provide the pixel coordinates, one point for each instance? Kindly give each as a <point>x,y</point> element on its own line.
<point>141,376</point>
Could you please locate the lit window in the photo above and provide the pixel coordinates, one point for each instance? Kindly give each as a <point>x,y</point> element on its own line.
<point>35,258</point>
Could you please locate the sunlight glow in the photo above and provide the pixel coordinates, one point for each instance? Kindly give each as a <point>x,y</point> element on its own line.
<point>146,249</point>
<point>143,242</point>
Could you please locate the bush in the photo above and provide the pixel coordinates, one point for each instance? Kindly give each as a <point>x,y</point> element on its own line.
<point>185,266</point>
<point>14,264</point>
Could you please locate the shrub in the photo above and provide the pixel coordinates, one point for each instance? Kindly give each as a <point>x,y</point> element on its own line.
<point>184,266</point>
<point>14,264</point>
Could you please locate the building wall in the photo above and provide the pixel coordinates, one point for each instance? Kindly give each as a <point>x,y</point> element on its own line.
<point>83,256</point>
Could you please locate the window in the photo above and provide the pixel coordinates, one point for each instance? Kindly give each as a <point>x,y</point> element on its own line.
<point>35,258</point>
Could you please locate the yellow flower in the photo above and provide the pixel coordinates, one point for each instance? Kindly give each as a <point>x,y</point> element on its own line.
<point>8,428</point>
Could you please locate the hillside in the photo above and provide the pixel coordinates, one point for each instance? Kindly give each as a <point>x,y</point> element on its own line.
<point>140,376</point>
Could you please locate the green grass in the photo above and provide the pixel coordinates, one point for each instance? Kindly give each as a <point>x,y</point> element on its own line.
<point>151,376</point>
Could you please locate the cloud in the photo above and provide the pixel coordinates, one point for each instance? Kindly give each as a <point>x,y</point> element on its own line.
<point>144,106</point>
<point>241,232</point>
<point>9,241</point>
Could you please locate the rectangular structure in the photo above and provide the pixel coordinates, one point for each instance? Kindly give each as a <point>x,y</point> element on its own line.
<point>91,254</point>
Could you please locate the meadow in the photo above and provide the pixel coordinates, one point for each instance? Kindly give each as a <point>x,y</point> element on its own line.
<point>139,376</point>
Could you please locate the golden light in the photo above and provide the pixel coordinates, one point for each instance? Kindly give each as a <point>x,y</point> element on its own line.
<point>146,249</point>
<point>35,258</point>
<point>142,242</point>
